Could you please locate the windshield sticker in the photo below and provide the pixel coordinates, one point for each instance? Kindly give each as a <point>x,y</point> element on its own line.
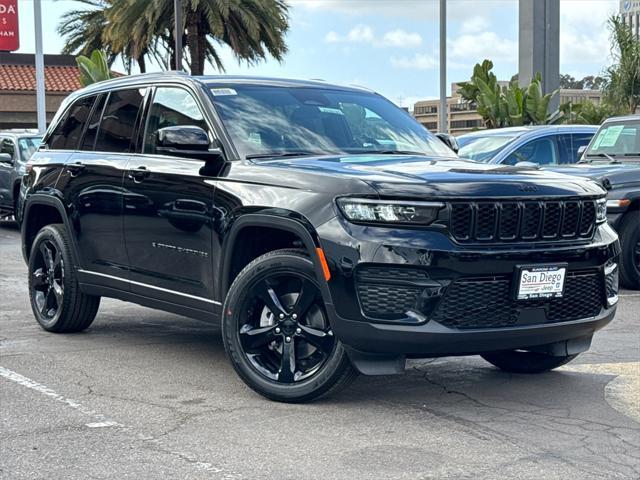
<point>221,92</point>
<point>609,137</point>
<point>254,137</point>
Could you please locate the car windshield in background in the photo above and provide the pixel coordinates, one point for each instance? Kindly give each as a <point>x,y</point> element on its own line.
<point>483,149</point>
<point>272,121</point>
<point>28,146</point>
<point>617,142</point>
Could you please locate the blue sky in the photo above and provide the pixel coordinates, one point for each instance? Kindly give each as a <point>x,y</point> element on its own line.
<point>392,45</point>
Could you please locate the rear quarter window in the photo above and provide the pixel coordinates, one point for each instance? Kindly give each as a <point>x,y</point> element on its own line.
<point>67,133</point>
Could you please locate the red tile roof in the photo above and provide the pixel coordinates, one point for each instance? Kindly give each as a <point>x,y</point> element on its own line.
<point>23,77</point>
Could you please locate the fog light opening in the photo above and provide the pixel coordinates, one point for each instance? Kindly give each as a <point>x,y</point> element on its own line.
<point>611,283</point>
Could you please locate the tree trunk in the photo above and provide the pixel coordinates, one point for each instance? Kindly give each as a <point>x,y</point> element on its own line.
<point>141,64</point>
<point>193,32</point>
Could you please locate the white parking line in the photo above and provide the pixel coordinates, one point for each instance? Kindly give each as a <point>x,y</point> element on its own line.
<point>101,420</point>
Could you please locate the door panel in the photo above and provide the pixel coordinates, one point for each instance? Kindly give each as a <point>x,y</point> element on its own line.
<point>167,220</point>
<point>92,185</point>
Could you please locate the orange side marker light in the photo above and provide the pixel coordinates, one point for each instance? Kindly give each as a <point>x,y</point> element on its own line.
<point>323,262</point>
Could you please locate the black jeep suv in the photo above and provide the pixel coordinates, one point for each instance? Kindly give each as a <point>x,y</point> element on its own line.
<point>321,226</point>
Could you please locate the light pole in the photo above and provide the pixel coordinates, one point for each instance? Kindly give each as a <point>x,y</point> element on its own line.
<point>40,101</point>
<point>443,67</point>
<point>177,32</point>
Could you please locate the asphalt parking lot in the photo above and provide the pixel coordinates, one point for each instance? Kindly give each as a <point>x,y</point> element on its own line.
<point>145,394</point>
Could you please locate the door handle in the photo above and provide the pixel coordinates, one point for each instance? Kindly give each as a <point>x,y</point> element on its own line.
<point>76,169</point>
<point>138,174</point>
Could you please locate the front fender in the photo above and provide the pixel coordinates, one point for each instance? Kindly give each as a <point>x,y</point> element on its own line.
<point>272,218</point>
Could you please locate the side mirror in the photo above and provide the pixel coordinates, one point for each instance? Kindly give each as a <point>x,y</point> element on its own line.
<point>580,152</point>
<point>449,140</point>
<point>183,138</point>
<point>6,158</point>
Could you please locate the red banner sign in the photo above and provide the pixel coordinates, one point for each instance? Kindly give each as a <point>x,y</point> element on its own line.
<point>9,38</point>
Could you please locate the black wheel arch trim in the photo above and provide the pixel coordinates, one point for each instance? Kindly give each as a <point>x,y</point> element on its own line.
<point>305,232</point>
<point>42,199</point>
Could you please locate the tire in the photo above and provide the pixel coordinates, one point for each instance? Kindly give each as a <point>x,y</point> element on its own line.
<point>256,339</point>
<point>629,234</point>
<point>517,361</point>
<point>56,300</point>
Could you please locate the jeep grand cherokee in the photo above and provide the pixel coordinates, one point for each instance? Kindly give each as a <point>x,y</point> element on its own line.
<point>322,227</point>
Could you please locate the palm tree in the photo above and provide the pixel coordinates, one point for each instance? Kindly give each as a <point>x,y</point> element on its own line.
<point>141,29</point>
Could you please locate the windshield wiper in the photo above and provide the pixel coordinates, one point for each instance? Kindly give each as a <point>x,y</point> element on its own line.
<point>283,154</point>
<point>387,152</point>
<point>611,158</point>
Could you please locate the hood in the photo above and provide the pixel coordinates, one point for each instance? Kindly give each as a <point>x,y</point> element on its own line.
<point>610,175</point>
<point>417,176</point>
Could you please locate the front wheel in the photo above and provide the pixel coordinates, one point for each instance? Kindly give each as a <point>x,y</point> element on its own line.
<point>517,361</point>
<point>277,334</point>
<point>629,233</point>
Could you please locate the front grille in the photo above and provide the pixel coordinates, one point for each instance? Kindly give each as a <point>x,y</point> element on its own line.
<point>488,302</point>
<point>529,220</point>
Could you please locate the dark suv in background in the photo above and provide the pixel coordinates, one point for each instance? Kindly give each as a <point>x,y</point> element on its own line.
<point>321,226</point>
<point>613,160</point>
<point>16,148</point>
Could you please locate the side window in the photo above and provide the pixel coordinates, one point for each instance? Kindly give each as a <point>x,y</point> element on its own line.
<point>541,151</point>
<point>171,107</point>
<point>68,131</point>
<point>579,140</point>
<point>118,120</point>
<point>566,149</point>
<point>94,122</point>
<point>7,146</point>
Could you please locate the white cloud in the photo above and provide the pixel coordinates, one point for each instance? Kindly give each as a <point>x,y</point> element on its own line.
<point>401,38</point>
<point>419,61</point>
<point>476,47</point>
<point>584,37</point>
<point>364,34</point>
<point>358,34</point>
<point>474,25</point>
<point>413,9</point>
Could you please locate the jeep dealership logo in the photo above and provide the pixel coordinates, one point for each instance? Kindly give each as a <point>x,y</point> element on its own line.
<point>9,39</point>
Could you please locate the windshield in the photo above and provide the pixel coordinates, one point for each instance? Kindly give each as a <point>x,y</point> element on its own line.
<point>28,146</point>
<point>615,141</point>
<point>270,121</point>
<point>484,149</point>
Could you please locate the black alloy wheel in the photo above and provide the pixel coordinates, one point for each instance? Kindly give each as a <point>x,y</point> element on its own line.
<point>277,332</point>
<point>286,336</point>
<point>47,280</point>
<point>57,302</point>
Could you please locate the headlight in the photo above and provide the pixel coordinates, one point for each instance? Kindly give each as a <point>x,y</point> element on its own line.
<point>601,210</point>
<point>389,211</point>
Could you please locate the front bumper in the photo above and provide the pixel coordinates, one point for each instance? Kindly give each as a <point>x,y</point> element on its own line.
<point>351,248</point>
<point>434,340</point>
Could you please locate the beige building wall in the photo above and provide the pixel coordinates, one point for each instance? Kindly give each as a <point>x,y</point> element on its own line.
<point>18,109</point>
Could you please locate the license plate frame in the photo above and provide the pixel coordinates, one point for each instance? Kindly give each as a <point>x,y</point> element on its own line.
<point>539,290</point>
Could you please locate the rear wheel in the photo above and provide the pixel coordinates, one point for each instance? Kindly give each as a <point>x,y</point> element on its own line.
<point>629,233</point>
<point>56,300</point>
<point>517,361</point>
<point>277,334</point>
